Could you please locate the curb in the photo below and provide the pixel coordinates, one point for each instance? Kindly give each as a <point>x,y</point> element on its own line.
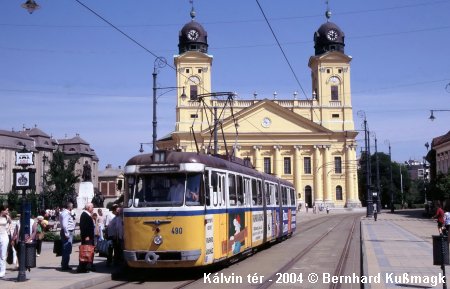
<point>89,282</point>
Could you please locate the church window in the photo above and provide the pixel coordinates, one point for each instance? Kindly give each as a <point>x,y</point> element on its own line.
<point>339,193</point>
<point>338,165</point>
<point>307,165</point>
<point>267,166</point>
<point>287,166</point>
<point>193,92</point>
<point>334,92</point>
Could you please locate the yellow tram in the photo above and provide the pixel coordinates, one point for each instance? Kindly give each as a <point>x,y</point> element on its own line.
<point>186,209</point>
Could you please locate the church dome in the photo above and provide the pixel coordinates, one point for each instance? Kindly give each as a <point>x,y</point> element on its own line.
<point>329,37</point>
<point>193,37</point>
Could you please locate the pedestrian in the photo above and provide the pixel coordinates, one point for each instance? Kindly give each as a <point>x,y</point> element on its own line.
<point>375,214</point>
<point>87,232</point>
<point>101,224</point>
<point>4,239</point>
<point>67,227</point>
<point>328,209</point>
<point>447,222</point>
<point>306,207</point>
<point>40,228</point>
<point>115,234</point>
<point>439,216</point>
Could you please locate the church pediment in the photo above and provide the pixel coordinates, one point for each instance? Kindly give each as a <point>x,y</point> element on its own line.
<point>268,117</point>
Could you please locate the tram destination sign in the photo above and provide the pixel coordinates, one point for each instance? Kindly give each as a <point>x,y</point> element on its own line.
<point>24,158</point>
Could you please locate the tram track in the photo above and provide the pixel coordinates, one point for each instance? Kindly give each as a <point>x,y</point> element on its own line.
<point>311,235</point>
<point>270,281</point>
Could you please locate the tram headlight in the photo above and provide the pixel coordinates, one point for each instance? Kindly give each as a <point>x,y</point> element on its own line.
<point>158,240</point>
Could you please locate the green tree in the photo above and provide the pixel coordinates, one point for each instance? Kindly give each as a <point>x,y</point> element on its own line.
<point>385,183</point>
<point>60,180</point>
<point>440,187</point>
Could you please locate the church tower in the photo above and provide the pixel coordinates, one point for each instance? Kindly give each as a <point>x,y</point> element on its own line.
<point>330,73</point>
<point>193,69</point>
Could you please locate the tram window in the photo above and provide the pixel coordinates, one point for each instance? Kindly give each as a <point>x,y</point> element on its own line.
<point>258,191</point>
<point>267,193</point>
<point>232,190</point>
<point>194,190</point>
<point>214,180</point>
<point>292,196</point>
<point>207,190</point>
<point>240,190</point>
<point>254,193</point>
<point>284,197</point>
<point>247,191</point>
<point>277,200</point>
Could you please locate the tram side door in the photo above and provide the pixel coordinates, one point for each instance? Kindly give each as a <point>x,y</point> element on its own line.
<point>223,220</point>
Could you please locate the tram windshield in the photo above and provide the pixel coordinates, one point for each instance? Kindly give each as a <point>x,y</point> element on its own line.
<point>167,190</point>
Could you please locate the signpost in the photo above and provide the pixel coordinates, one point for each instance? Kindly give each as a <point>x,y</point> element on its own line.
<point>24,179</point>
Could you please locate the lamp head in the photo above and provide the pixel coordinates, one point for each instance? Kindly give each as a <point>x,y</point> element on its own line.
<point>183,95</point>
<point>432,116</point>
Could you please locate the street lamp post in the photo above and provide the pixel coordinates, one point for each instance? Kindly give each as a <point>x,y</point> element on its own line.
<point>369,196</point>
<point>390,176</point>
<point>378,174</point>
<point>160,62</point>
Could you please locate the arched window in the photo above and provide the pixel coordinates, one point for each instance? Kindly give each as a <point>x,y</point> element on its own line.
<point>338,193</point>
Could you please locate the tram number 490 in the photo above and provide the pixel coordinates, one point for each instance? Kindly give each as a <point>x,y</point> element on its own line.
<point>177,230</point>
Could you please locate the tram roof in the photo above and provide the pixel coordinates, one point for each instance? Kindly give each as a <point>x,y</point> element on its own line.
<point>219,162</point>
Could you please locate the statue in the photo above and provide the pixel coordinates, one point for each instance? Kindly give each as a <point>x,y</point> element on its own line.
<point>86,176</point>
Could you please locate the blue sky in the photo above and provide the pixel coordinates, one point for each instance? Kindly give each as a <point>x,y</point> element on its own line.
<point>65,70</point>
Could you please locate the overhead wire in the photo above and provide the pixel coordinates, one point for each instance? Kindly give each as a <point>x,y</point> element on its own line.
<point>282,50</point>
<point>130,38</point>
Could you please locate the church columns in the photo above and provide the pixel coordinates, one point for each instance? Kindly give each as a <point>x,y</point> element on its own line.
<point>318,191</point>
<point>326,167</point>
<point>257,157</point>
<point>350,170</point>
<point>277,160</point>
<point>298,170</point>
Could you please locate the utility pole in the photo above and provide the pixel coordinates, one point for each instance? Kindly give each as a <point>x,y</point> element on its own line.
<point>369,200</point>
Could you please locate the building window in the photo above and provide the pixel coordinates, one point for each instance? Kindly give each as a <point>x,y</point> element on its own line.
<point>328,71</point>
<point>337,165</point>
<point>307,165</point>
<point>194,115</point>
<point>339,193</point>
<point>199,70</point>
<point>334,92</point>
<point>193,92</point>
<point>187,70</point>
<point>339,70</point>
<point>267,166</point>
<point>287,166</point>
<point>335,115</point>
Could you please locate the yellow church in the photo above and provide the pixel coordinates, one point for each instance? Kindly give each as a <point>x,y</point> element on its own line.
<point>310,143</point>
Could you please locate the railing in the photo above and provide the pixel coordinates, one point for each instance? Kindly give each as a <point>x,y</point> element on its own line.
<point>283,103</point>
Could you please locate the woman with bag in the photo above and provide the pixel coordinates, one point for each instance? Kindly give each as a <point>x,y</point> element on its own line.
<point>4,239</point>
<point>87,229</point>
<point>41,226</point>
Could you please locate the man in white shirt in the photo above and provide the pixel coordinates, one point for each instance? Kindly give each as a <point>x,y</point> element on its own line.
<point>67,227</point>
